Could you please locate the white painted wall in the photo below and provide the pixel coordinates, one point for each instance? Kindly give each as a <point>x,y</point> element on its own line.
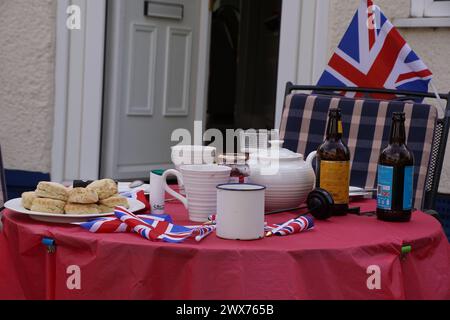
<point>27,56</point>
<point>303,45</point>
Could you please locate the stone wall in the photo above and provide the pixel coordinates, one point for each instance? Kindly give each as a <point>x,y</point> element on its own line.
<point>27,59</point>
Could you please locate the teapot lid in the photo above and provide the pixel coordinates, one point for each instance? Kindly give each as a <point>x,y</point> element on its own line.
<point>277,152</point>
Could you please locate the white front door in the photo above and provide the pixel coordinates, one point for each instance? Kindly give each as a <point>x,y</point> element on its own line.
<point>151,79</point>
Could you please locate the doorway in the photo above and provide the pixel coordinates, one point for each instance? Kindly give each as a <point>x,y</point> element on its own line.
<point>154,76</point>
<point>151,85</point>
<point>244,54</point>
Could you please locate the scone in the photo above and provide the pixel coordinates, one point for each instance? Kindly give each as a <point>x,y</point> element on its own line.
<point>105,209</point>
<point>115,201</point>
<point>27,199</point>
<point>83,196</point>
<point>51,190</point>
<point>105,188</point>
<point>81,209</point>
<point>48,206</point>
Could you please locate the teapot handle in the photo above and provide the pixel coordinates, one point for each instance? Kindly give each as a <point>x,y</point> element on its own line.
<point>309,161</point>
<point>311,158</point>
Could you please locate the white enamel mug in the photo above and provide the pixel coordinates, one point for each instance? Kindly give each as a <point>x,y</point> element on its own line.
<point>200,182</point>
<point>240,211</point>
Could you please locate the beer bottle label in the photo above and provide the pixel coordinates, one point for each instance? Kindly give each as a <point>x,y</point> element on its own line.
<point>335,178</point>
<point>408,189</point>
<point>386,185</point>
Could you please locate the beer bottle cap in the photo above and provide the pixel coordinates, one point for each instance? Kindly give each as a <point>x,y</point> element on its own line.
<point>335,111</point>
<point>399,116</point>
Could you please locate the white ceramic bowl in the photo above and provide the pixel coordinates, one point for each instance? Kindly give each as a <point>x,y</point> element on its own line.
<point>193,155</point>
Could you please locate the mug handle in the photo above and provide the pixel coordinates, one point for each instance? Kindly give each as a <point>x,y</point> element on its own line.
<point>169,190</point>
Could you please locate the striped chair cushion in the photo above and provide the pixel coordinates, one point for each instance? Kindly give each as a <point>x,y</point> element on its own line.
<point>367,126</point>
<point>2,181</point>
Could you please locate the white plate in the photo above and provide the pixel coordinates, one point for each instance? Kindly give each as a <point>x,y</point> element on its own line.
<point>16,206</point>
<point>358,192</point>
<point>125,187</point>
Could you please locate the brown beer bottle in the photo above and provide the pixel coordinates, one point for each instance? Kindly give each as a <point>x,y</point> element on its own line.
<point>395,176</point>
<point>333,164</point>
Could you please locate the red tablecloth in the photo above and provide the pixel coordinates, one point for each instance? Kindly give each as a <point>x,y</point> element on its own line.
<point>330,262</point>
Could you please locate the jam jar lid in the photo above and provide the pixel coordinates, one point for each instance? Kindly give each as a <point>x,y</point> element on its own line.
<point>232,158</point>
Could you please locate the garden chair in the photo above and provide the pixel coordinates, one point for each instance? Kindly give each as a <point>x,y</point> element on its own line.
<point>367,123</point>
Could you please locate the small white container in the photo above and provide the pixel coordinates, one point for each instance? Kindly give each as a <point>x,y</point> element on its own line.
<point>240,211</point>
<point>157,192</point>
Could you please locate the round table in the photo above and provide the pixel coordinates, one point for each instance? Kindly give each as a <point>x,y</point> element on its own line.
<point>348,257</point>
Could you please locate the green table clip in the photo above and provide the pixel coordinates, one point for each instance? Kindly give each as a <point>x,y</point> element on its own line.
<point>405,251</point>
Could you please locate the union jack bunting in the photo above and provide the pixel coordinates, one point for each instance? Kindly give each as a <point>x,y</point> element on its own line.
<point>373,54</point>
<point>293,226</point>
<point>155,230</point>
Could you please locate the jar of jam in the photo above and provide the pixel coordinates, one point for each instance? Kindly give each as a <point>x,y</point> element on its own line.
<point>240,171</point>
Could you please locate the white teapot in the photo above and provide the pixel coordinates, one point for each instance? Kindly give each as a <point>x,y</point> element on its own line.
<point>287,176</point>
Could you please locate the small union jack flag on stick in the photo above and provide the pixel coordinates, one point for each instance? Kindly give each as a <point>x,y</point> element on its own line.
<point>293,226</point>
<point>162,230</point>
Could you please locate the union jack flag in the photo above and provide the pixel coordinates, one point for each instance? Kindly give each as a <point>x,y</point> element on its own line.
<point>114,225</point>
<point>150,227</point>
<point>373,54</point>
